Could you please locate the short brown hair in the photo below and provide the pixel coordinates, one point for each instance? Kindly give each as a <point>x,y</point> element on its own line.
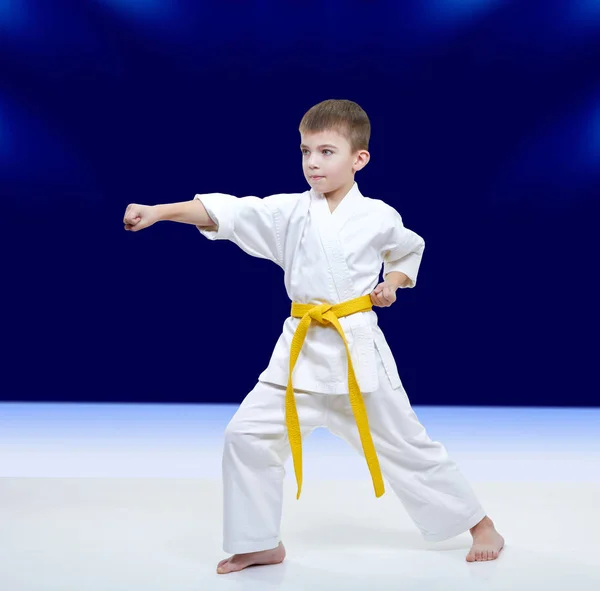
<point>346,117</point>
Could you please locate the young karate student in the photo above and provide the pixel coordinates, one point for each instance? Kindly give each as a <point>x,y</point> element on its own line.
<point>332,365</point>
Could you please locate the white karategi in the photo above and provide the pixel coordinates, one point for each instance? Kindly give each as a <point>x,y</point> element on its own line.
<point>330,258</point>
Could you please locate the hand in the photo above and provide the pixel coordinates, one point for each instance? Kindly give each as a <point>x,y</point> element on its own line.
<point>137,217</point>
<point>384,295</point>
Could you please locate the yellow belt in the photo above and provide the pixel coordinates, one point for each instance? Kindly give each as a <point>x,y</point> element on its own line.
<point>329,314</point>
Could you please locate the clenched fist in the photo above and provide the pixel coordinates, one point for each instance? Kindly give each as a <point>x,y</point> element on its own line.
<point>384,295</point>
<point>137,217</point>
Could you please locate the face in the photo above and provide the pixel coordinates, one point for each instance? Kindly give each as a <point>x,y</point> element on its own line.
<point>328,161</point>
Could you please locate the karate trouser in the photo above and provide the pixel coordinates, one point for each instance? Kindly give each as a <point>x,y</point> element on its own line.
<point>432,489</point>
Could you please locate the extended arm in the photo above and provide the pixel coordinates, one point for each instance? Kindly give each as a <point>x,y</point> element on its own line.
<point>137,217</point>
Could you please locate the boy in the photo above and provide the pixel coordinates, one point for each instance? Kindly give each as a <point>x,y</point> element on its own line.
<point>331,366</point>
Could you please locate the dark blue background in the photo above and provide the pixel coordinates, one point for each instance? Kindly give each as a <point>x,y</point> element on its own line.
<point>486,138</point>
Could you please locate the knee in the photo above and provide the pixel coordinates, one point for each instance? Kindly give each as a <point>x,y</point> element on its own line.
<point>242,440</point>
<point>236,433</point>
<point>245,442</point>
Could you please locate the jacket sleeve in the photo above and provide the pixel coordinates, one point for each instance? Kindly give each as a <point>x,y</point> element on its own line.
<point>254,224</point>
<point>402,250</point>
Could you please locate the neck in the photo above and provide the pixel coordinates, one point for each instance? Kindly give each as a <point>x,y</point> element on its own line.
<point>336,196</point>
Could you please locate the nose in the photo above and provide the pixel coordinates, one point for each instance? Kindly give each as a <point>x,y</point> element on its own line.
<point>312,162</point>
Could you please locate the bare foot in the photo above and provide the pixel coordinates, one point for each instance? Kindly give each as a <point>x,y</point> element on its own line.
<point>241,561</point>
<point>487,542</point>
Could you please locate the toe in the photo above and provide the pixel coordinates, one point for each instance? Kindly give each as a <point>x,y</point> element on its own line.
<point>482,554</point>
<point>224,567</point>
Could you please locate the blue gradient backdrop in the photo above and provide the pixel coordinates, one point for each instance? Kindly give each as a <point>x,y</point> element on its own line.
<point>486,137</point>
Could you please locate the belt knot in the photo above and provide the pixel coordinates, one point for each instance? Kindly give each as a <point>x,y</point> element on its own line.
<point>317,313</point>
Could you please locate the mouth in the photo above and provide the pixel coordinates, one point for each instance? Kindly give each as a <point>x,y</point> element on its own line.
<point>316,178</point>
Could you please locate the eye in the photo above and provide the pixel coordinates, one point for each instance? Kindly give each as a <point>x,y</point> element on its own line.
<point>327,152</point>
<point>304,151</point>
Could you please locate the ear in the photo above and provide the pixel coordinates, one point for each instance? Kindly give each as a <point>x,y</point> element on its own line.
<point>361,159</point>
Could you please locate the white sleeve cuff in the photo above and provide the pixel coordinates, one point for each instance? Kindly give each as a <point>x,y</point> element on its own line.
<point>409,265</point>
<point>219,208</point>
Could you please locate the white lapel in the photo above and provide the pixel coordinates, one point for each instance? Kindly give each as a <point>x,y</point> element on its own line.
<point>346,208</point>
<point>357,326</point>
<point>329,225</point>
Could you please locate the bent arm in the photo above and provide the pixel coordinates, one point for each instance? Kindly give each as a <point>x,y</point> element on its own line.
<point>402,254</point>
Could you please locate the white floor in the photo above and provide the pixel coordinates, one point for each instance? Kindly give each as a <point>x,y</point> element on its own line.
<point>128,497</point>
